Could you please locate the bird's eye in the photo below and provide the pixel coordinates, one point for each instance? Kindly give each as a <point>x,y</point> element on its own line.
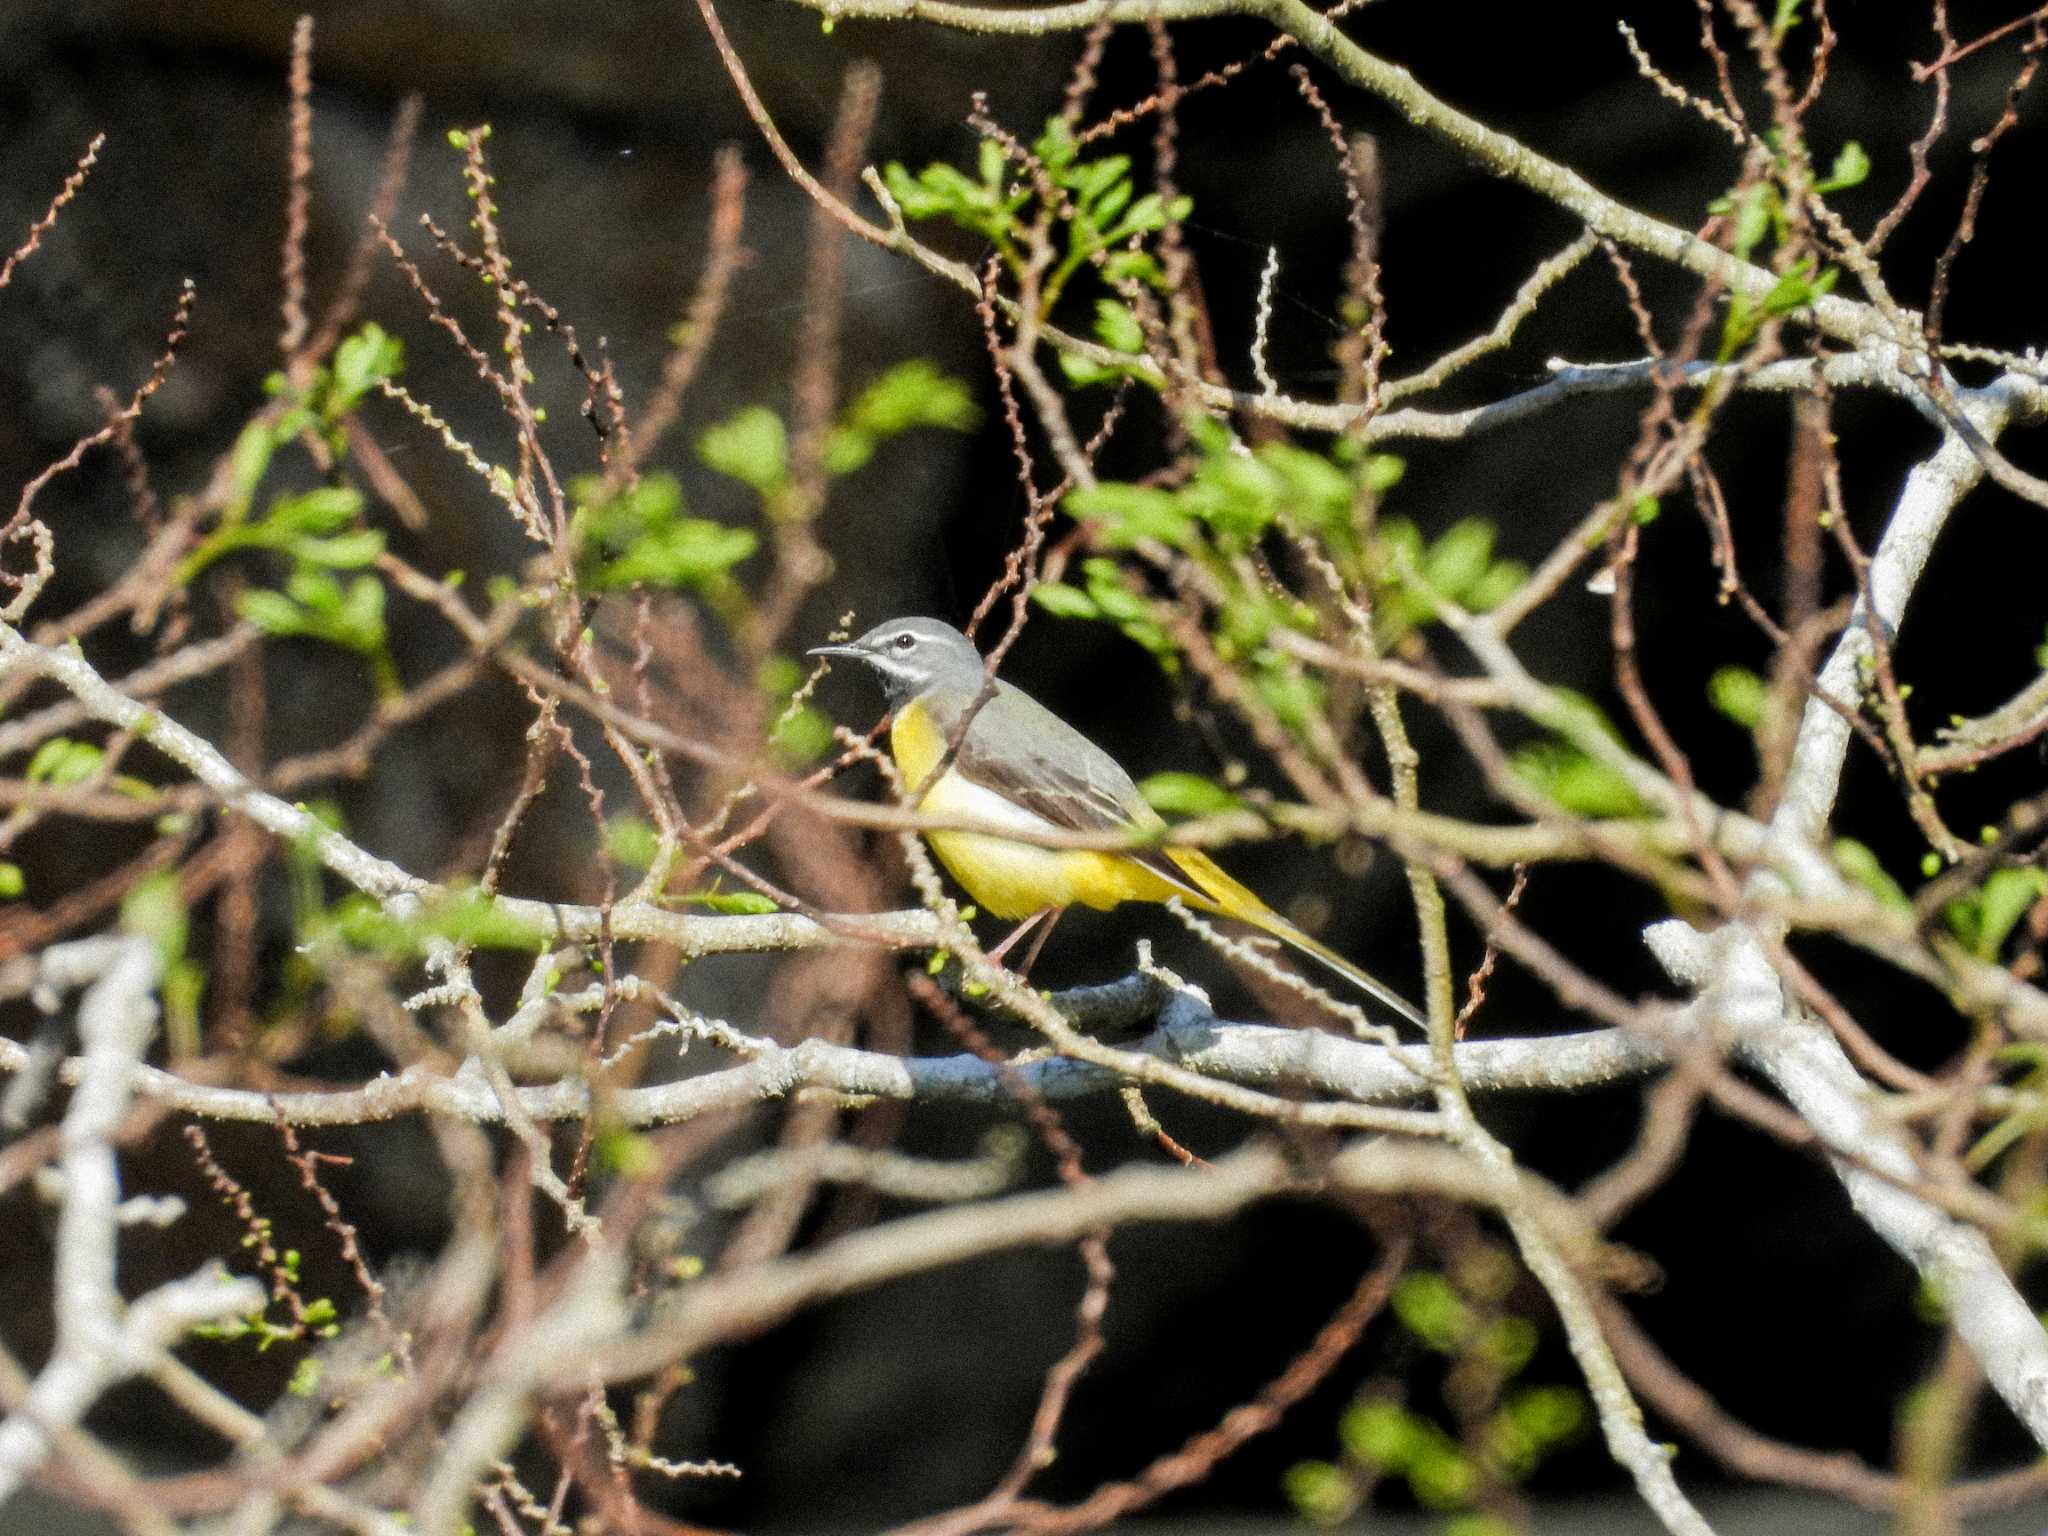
<point>906,641</point>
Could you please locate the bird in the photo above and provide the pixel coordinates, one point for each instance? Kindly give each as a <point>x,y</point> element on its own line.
<point>1004,760</point>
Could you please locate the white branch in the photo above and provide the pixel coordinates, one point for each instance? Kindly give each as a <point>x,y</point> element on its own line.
<point>1743,1000</point>
<point>101,1339</point>
<point>1932,492</point>
<point>1255,1055</point>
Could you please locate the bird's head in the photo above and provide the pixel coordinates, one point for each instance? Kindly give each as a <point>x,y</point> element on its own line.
<point>912,656</point>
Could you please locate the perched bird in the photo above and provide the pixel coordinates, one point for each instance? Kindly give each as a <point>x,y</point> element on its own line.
<point>1018,765</point>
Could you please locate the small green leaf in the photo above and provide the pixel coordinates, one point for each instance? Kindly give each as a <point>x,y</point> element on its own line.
<point>1383,471</point>
<point>732,903</point>
<point>1863,866</point>
<point>1581,784</point>
<point>1380,1433</point>
<point>12,884</point>
<point>1548,1415</point>
<point>801,736</point>
<point>911,394</point>
<point>271,612</point>
<point>631,840</point>
<point>154,910</point>
<point>1985,919</point>
<point>1117,328</point>
<point>1739,694</point>
<point>1459,558</point>
<point>627,1153</point>
<point>324,509</point>
<point>1503,579</point>
<point>1430,1307</point>
<point>360,362</point>
<point>752,447</point>
<point>1056,597</point>
<point>1129,514</point>
<point>1187,794</point>
<point>61,762</point>
<point>1851,168</point>
<point>1753,217</point>
<point>1319,1491</point>
<point>248,461</point>
<point>639,535</point>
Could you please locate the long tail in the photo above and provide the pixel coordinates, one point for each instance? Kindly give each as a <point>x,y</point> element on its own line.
<point>1231,899</point>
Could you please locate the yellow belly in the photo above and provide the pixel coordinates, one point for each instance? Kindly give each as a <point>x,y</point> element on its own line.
<point>1012,879</point>
<point>1006,878</point>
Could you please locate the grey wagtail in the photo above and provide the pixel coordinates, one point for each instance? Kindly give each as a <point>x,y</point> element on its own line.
<point>1021,766</point>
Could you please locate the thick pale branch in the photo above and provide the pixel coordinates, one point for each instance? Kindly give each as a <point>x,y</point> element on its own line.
<point>100,1337</point>
<point>1255,1055</point>
<point>1743,999</point>
<point>737,1304</point>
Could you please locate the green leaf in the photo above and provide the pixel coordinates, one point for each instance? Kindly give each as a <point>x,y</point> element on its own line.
<point>1319,1491</point>
<point>1999,905</point>
<point>1380,1433</point>
<point>324,509</point>
<point>732,903</point>
<point>1135,267</point>
<point>1503,579</point>
<point>154,910</point>
<point>1116,326</point>
<point>1798,288</point>
<point>12,883</point>
<point>639,535</point>
<point>1753,217</point>
<point>1581,784</point>
<point>631,840</point>
<point>1862,866</point>
<point>1442,1476</point>
<point>1430,1307</point>
<point>1129,514</point>
<point>914,394</point>
<point>686,553</point>
<point>360,362</point>
<point>911,394</point>
<point>1187,794</point>
<point>1548,1415</point>
<point>61,762</point>
<point>1508,1344</point>
<point>751,447</point>
<point>248,462</point>
<point>1739,694</point>
<point>627,1153</point>
<point>1459,558</point>
<point>1851,168</point>
<point>345,551</point>
<point>1066,602</point>
<point>271,612</point>
<point>802,736</point>
<point>464,916</point>
<point>1314,489</point>
<point>1383,471</point>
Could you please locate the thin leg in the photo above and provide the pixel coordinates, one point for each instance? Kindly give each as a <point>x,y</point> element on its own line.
<point>1018,932</point>
<point>1038,943</point>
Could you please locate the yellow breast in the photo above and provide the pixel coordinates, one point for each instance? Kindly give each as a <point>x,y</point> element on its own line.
<point>1010,879</point>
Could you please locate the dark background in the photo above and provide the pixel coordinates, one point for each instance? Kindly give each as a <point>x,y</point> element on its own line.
<point>606,117</point>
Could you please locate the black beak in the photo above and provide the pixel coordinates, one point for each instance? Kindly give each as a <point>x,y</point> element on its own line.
<point>837,650</point>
